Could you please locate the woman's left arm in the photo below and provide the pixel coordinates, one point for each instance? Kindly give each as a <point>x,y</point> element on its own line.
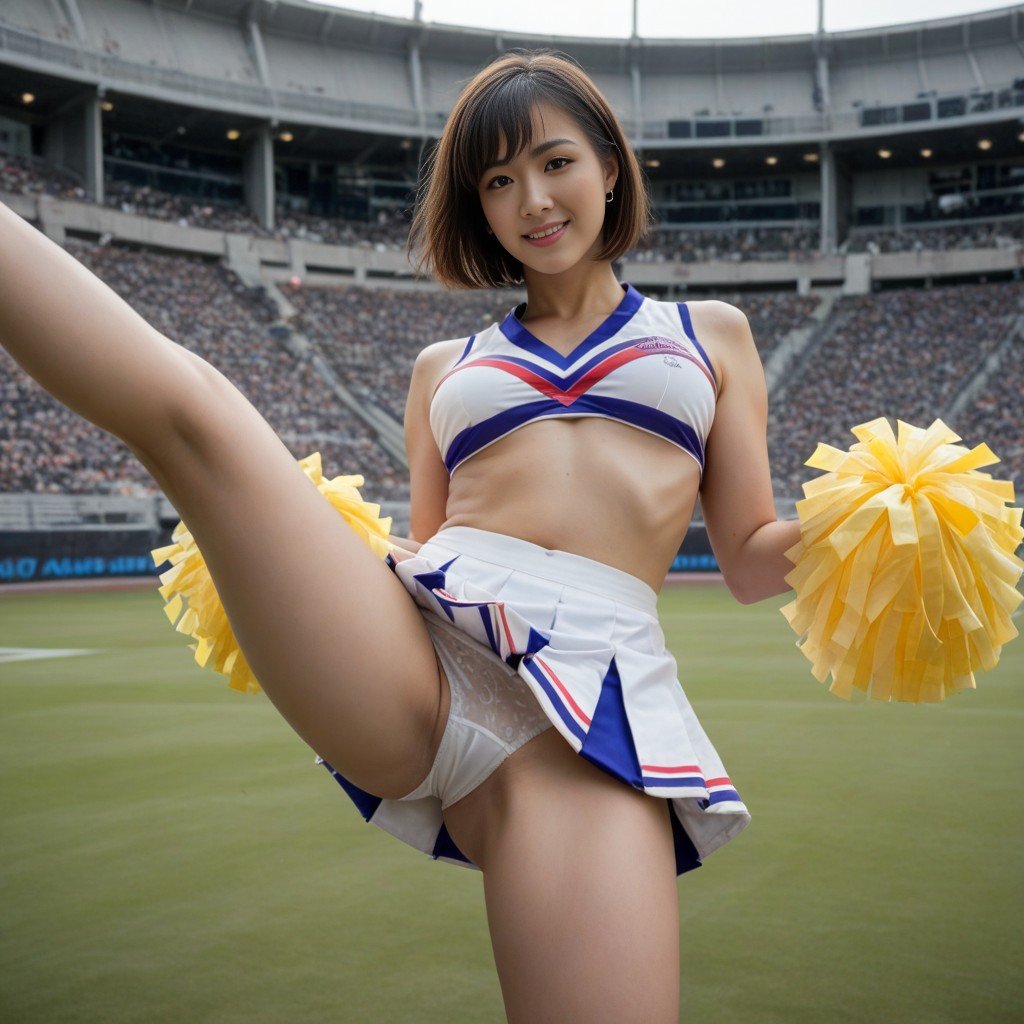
<point>736,490</point>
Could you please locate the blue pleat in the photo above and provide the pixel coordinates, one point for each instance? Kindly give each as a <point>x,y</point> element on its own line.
<point>366,802</point>
<point>609,742</point>
<point>686,853</point>
<point>445,847</point>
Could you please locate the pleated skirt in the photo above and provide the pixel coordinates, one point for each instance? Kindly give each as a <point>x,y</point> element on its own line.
<point>584,639</point>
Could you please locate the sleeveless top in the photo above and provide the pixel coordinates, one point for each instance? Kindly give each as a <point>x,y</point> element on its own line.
<point>643,367</point>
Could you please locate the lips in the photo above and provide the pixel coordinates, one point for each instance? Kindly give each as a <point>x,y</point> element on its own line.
<point>544,227</point>
<point>549,240</point>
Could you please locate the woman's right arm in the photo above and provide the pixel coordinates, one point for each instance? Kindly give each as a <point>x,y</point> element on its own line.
<point>86,346</point>
<point>428,478</point>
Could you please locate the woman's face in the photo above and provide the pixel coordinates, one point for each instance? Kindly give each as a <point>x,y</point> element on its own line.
<point>564,180</point>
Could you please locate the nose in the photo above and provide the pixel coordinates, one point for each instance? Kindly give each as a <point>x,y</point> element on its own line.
<point>536,198</point>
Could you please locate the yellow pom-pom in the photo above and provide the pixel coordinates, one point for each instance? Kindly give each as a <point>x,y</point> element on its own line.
<point>905,572</point>
<point>205,618</point>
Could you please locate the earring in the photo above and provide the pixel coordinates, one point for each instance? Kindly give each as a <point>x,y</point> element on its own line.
<point>611,195</point>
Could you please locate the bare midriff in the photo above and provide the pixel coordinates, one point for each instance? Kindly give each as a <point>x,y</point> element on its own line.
<point>590,486</point>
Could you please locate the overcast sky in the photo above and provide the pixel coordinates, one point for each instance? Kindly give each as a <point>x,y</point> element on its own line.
<point>678,19</point>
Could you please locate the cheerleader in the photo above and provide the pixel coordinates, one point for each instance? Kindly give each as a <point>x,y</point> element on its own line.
<point>494,690</point>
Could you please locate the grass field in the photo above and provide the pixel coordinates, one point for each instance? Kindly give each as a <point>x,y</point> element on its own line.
<point>171,853</point>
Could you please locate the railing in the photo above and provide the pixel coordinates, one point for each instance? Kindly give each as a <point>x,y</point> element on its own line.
<point>104,67</point>
<point>21,512</point>
<point>26,511</point>
<point>109,68</point>
<point>915,112</point>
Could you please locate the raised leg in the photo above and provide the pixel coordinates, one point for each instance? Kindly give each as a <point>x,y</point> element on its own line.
<point>331,634</point>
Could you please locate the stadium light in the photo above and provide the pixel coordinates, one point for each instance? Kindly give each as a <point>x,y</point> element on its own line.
<point>811,158</point>
<point>286,136</point>
<point>107,106</point>
<point>233,133</point>
<point>652,162</point>
<point>28,97</point>
<point>718,162</point>
<point>885,153</point>
<point>1020,135</point>
<point>984,143</point>
<point>771,161</point>
<point>926,153</point>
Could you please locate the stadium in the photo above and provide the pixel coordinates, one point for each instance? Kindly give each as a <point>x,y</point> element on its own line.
<point>243,174</point>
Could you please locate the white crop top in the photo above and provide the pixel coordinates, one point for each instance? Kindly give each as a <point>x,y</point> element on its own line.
<point>643,366</point>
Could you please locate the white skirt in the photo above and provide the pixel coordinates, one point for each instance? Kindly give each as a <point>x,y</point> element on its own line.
<point>584,639</point>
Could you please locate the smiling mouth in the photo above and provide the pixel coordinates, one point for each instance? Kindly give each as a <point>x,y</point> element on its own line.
<point>550,233</point>
<point>549,238</point>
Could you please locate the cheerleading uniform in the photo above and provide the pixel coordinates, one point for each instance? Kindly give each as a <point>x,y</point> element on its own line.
<point>533,638</point>
<point>643,366</point>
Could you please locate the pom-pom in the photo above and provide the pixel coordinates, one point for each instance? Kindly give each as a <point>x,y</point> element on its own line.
<point>189,579</point>
<point>905,572</point>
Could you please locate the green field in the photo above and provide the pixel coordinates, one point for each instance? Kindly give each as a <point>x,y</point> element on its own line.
<point>171,853</point>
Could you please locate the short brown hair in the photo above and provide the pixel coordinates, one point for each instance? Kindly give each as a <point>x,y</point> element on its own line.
<point>448,226</point>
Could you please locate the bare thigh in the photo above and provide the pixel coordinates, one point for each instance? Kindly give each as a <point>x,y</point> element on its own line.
<point>334,638</point>
<point>580,887</point>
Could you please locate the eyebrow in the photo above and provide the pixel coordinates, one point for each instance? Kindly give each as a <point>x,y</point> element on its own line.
<point>536,151</point>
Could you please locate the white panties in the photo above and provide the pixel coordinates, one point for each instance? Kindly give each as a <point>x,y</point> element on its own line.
<point>492,715</point>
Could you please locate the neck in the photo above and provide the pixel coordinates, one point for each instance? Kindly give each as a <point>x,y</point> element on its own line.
<point>585,290</point>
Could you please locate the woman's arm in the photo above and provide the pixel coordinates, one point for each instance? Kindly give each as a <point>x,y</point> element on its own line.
<point>85,345</point>
<point>428,477</point>
<point>736,491</point>
<point>405,545</point>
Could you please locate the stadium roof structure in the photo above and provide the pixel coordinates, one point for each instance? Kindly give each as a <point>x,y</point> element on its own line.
<point>308,64</point>
<point>327,23</point>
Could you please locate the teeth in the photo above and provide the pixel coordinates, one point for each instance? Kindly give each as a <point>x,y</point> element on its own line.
<point>550,231</point>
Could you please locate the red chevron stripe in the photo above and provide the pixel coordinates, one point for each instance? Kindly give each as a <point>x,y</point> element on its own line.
<point>568,396</point>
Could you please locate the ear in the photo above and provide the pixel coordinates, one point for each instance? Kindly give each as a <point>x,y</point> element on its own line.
<point>611,170</point>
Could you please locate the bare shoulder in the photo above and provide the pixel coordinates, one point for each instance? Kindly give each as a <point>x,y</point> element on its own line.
<point>441,349</point>
<point>724,332</point>
<point>435,360</point>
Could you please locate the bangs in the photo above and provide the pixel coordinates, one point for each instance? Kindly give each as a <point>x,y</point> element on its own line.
<point>503,112</point>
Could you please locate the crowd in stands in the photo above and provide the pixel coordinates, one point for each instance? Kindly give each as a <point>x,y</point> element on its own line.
<point>46,448</point>
<point>995,416</point>
<point>735,245</point>
<point>900,354</point>
<point>903,355</point>
<point>389,229</point>
<point>371,336</point>
<point>373,353</point>
<point>23,177</point>
<point>1003,234</point>
<point>772,315</point>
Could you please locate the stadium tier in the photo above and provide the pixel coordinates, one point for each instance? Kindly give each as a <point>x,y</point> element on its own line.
<point>244,175</point>
<point>907,354</point>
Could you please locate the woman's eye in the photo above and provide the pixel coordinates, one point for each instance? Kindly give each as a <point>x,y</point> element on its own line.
<point>554,160</point>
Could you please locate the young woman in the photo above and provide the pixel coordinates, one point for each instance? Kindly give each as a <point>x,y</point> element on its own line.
<point>520,714</point>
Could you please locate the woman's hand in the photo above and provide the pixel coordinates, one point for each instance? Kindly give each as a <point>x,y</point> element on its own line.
<point>403,547</point>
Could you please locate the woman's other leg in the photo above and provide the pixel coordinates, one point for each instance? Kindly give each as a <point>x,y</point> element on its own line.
<point>580,886</point>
